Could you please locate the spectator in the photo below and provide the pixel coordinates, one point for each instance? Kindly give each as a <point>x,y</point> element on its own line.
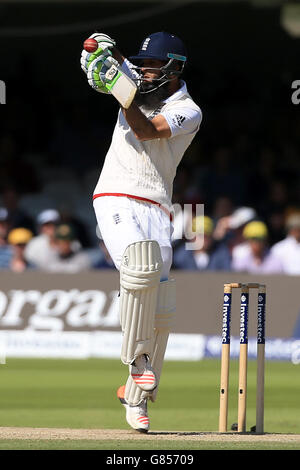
<point>18,239</point>
<point>68,259</point>
<point>229,229</point>
<point>5,249</point>
<point>208,256</point>
<point>288,250</point>
<point>254,256</point>
<point>41,249</point>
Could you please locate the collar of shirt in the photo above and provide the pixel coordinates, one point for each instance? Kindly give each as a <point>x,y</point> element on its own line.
<point>182,90</point>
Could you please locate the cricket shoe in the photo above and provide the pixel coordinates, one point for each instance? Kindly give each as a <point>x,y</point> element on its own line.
<point>136,416</point>
<point>142,373</point>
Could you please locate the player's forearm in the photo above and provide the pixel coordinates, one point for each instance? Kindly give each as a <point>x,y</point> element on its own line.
<point>142,127</point>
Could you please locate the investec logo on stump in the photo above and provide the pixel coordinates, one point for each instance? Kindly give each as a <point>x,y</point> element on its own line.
<point>226,319</point>
<point>2,92</point>
<point>260,318</point>
<point>244,319</point>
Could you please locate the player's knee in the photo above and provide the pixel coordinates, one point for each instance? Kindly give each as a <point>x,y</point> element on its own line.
<point>166,255</point>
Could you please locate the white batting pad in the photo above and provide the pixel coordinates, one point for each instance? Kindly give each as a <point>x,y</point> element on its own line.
<point>139,279</point>
<point>165,314</point>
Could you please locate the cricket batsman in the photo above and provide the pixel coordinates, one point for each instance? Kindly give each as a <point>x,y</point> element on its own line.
<point>156,123</point>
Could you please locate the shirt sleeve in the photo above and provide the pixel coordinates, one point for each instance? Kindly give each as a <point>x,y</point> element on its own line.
<point>128,68</point>
<point>182,120</point>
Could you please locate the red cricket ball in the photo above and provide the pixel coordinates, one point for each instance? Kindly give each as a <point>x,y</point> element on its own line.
<point>90,45</point>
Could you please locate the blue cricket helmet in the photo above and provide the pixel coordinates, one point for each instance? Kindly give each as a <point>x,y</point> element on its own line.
<point>161,46</point>
<point>165,47</point>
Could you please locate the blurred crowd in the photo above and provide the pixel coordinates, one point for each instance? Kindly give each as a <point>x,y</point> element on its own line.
<point>48,244</point>
<point>228,240</point>
<point>239,242</point>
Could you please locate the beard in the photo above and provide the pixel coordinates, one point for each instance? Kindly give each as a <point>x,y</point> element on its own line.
<point>154,98</point>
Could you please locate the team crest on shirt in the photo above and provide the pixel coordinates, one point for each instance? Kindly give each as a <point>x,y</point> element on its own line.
<point>117,218</point>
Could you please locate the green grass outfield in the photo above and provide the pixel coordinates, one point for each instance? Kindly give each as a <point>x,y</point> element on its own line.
<point>81,394</point>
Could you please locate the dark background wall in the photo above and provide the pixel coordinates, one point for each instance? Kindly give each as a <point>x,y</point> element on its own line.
<point>239,56</point>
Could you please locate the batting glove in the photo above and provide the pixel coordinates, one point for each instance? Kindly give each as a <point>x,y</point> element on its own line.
<point>98,72</point>
<point>105,43</point>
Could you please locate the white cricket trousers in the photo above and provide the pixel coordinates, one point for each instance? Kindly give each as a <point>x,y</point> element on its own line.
<point>123,220</point>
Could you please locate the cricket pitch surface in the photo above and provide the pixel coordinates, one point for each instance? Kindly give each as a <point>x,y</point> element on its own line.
<point>121,434</point>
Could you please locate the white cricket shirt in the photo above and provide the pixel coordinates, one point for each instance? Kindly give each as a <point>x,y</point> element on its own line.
<point>146,170</point>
